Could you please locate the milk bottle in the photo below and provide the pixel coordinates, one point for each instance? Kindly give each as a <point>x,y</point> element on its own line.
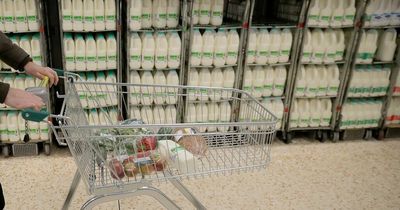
<point>361,52</point>
<point>174,50</point>
<point>135,51</point>
<point>104,118</point>
<point>263,45</point>
<point>172,80</point>
<point>325,12</point>
<point>101,47</point>
<point>208,48</point>
<point>170,114</point>
<point>147,114</point>
<point>94,117</point>
<point>248,80</point>
<point>92,96</point>
<point>340,45</point>
<point>134,90</point>
<point>326,108</point>
<point>102,97</point>
<point>285,45</point>
<point>21,126</point>
<point>8,12</point>
<point>349,12</point>
<point>147,91</point>
<point>19,81</point>
<point>204,81</point>
<point>90,55</point>
<point>111,51</point>
<point>112,90</point>
<point>252,46</point>
<point>202,115</point>
<point>337,13</point>
<point>387,12</point>
<point>258,76</point>
<point>304,115</point>
<point>228,81</point>
<point>307,47</point>
<point>80,53</point>
<point>313,13</point>
<point>378,15</point>
<point>333,79</point>
<point>275,45</point>
<point>148,51</point>
<point>66,15</point>
<point>301,82</point>
<point>196,50</point>
<point>233,47</point>
<point>365,83</point>
<point>135,20</point>
<point>25,43</point>
<point>331,47</point>
<point>159,115</point>
<point>323,80</point>
<point>1,20</point>
<point>196,12</point>
<point>213,116</point>
<point>371,46</point>
<point>12,126</point>
<point>369,12</point>
<point>217,81</point>
<point>269,76</point>
<point>173,13</point>
<point>205,12</point>
<point>161,51</point>
<point>77,13</point>
<point>20,15</point>
<point>69,51</point>
<point>147,14</point>
<point>159,13</point>
<point>352,90</point>
<point>217,9</point>
<point>315,112</point>
<point>224,115</point>
<point>387,45</point>
<point>345,117</point>
<point>191,113</point>
<point>220,49</point>
<point>110,13</point>
<point>3,126</point>
<point>35,49</point>
<point>99,15</point>
<point>395,18</point>
<point>294,115</point>
<point>88,15</point>
<point>193,81</point>
<point>279,80</point>
<point>81,89</point>
<point>32,16</point>
<point>318,45</point>
<point>312,81</point>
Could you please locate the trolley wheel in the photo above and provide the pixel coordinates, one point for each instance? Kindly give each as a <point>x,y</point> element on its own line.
<point>381,134</point>
<point>324,137</point>
<point>6,151</point>
<point>368,134</point>
<point>288,138</point>
<point>335,136</point>
<point>46,148</point>
<point>318,135</point>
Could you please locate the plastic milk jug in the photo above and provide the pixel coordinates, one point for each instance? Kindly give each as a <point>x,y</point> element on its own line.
<point>147,114</point>
<point>258,76</point>
<point>331,47</point>
<point>349,12</point>
<point>180,158</point>
<point>193,81</point>
<point>220,48</point>
<point>217,81</point>
<point>173,13</point>
<point>275,45</point>
<point>111,78</point>
<point>77,13</point>
<point>147,14</point>
<point>12,126</point>
<point>111,51</point>
<point>224,115</point>
<point>173,80</point>
<point>196,50</point>
<point>326,108</point>
<point>361,52</point>
<point>88,15</point>
<point>32,16</point>
<point>174,50</point>
<point>387,12</point>
<point>134,90</point>
<point>340,44</point>
<point>99,15</point>
<point>248,80</point>
<point>202,115</point>
<point>294,115</point>
<point>110,13</point>
<point>217,9</point>
<point>371,8</point>
<point>315,112</point>
<point>252,46</point>
<point>159,115</point>
<point>92,100</point>
<point>387,45</point>
<point>228,77</point>
<point>313,13</point>
<point>325,12</point>
<point>318,45</point>
<point>3,126</point>
<point>102,97</point>
<point>204,81</point>
<point>279,80</point>
<point>371,44</point>
<point>395,18</point>
<point>323,80</point>
<point>208,48</point>
<point>161,51</point>
<point>285,45</point>
<point>337,13</point>
<point>279,108</point>
<point>8,14</point>
<point>103,118</point>
<point>147,91</point>
<point>213,116</point>
<point>80,48</point>
<point>196,12</point>
<point>233,47</point>
<point>69,51</point>
<point>101,47</point>
<point>191,113</point>
<point>269,76</point>
<point>135,20</point>
<point>333,76</point>
<point>159,13</point>
<point>19,81</point>
<point>307,47</point>
<point>135,51</point>
<point>170,114</point>
<point>312,81</point>
<point>262,46</point>
<point>20,15</point>
<point>205,12</point>
<point>91,50</point>
<point>25,43</point>
<point>1,20</point>
<point>304,115</point>
<point>35,49</point>
<point>378,15</point>
<point>159,92</point>
<point>301,82</point>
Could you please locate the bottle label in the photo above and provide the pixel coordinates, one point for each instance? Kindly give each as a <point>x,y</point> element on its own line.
<point>161,58</point>
<point>3,131</point>
<point>313,17</point>
<point>331,55</point>
<point>263,53</point>
<point>305,120</point>
<point>219,55</point>
<point>367,17</point>
<point>333,89</point>
<point>65,17</point>
<point>111,57</point>
<point>339,53</point>
<point>69,59</point>
<point>279,87</point>
<point>319,55</point>
<point>274,53</point>
<point>135,18</point>
<point>174,57</point>
<point>89,18</point>
<point>217,14</point>
<point>146,16</point>
<point>349,17</point>
<point>251,53</point>
<point>101,58</point>
<point>232,54</point>
<point>247,88</point>
<point>316,120</point>
<point>148,58</point>
<point>326,120</point>
<point>208,54</point>
<point>8,18</point>
<point>173,16</point>
<point>313,90</point>
<point>12,132</point>
<point>196,12</point>
<point>285,52</point>
<point>162,16</point>
<point>20,18</point>
<point>91,59</point>
<point>338,18</point>
<point>80,58</point>
<point>306,54</point>
<point>77,18</point>
<point>268,87</point>
<point>322,89</point>
<point>99,18</point>
<point>196,54</point>
<point>325,18</point>
<point>205,12</point>
<point>300,89</point>
<point>111,18</point>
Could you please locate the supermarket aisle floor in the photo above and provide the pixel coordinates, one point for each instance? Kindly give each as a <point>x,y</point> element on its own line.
<point>304,175</point>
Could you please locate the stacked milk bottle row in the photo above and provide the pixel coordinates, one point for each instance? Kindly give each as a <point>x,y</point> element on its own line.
<point>102,116</point>
<point>382,13</point>
<point>311,113</point>
<point>89,15</point>
<point>93,96</point>
<point>393,115</point>
<point>89,53</point>
<point>275,106</point>
<point>146,95</point>
<point>209,112</point>
<point>159,50</point>
<point>269,46</point>
<point>333,13</point>
<point>156,114</point>
<point>156,13</point>
<point>369,81</point>
<point>396,89</point>
<point>265,81</point>
<point>317,80</point>
<point>323,46</point>
<point>377,44</point>
<point>13,129</point>
<point>215,48</point>
<point>20,81</point>
<point>208,12</point>
<point>18,16</point>
<point>361,113</point>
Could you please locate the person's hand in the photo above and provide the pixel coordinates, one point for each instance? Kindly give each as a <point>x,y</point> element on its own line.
<point>20,99</point>
<point>40,72</point>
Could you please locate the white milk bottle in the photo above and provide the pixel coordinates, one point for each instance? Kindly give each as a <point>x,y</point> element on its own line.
<point>111,14</point>
<point>147,14</point>
<point>220,48</point>
<point>196,50</point>
<point>374,75</point>
<point>91,50</point>
<point>12,126</point>
<point>349,12</point>
<point>19,81</point>
<point>361,51</point>
<point>35,49</point>
<point>102,97</point>
<point>101,47</point>
<point>294,115</point>
<point>173,13</point>
<point>191,113</point>
<point>159,92</point>
<point>111,51</point>
<point>103,118</point>
<point>24,43</point>
<point>228,77</point>
<point>170,114</point>
<point>172,80</point>
<point>193,80</point>
<point>217,81</point>
<point>3,126</point>
<point>371,46</point>
<point>279,80</point>
<point>352,90</point>
<point>159,115</point>
<point>384,79</point>
<point>69,51</point>
<point>345,116</point>
<point>161,51</point>
<point>66,15</point>
<point>313,13</point>
<point>395,18</point>
<point>8,12</point>
<point>323,80</point>
<point>204,81</point>
<point>269,74</point>
<point>32,17</point>
<point>148,50</point>
<point>80,52</point>
<point>224,115</point>
<point>20,15</point>
<point>312,81</point>
<point>285,45</point>
<point>366,82</point>
<point>147,91</point>
<point>387,12</point>
<point>275,45</point>
<point>304,115</point>
<point>325,12</point>
<point>135,51</point>
<point>387,45</point>
<point>326,108</point>
<point>81,89</point>
<point>378,15</point>
<point>99,15</point>
<point>372,6</point>
<point>331,47</point>
<point>135,113</point>
<point>112,90</point>
<point>93,117</point>
<point>217,9</point>
<point>318,45</point>
<point>134,90</point>
<point>205,12</point>
<point>213,116</point>
<point>279,109</point>
<point>258,76</point>
<point>135,20</point>
<point>340,44</point>
<point>92,96</point>
<point>337,13</point>
<point>159,13</point>
<point>307,47</point>
<point>233,47</point>
<point>1,20</point>
<point>77,13</point>
<point>147,114</point>
<point>196,12</point>
<point>208,48</point>
<point>333,79</point>
<point>262,47</point>
<point>301,82</point>
<point>174,50</point>
<point>202,115</point>
<point>248,80</point>
<point>315,112</point>
<point>252,46</point>
<point>88,15</point>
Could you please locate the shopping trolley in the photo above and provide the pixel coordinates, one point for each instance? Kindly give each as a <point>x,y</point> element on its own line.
<point>117,159</point>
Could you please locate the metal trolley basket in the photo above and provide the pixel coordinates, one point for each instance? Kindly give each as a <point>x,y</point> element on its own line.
<point>233,141</point>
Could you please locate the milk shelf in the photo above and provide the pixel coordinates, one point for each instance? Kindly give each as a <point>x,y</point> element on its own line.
<point>20,147</point>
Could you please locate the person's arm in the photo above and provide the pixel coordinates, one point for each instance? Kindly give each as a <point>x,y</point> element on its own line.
<point>4,88</point>
<point>12,54</point>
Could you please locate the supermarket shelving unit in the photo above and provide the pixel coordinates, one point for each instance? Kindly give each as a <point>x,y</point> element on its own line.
<point>20,147</point>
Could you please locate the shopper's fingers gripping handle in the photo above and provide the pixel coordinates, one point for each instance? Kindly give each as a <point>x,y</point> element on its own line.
<point>59,72</point>
<point>35,116</point>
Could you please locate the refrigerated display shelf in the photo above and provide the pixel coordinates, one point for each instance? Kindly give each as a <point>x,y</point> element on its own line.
<point>212,66</point>
<point>381,27</point>
<point>154,69</point>
<point>310,128</point>
<point>101,31</point>
<point>272,64</point>
<point>20,32</point>
<point>375,63</point>
<point>324,63</point>
<point>178,28</point>
<point>314,97</point>
<point>332,27</point>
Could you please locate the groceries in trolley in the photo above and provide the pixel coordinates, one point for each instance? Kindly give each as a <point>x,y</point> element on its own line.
<point>335,13</point>
<point>369,81</point>
<point>377,45</point>
<point>361,113</point>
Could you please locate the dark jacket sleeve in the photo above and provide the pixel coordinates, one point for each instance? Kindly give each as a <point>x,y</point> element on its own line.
<point>12,54</point>
<point>4,87</point>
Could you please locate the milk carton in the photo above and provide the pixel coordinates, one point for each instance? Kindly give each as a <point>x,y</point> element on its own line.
<point>174,50</point>
<point>208,48</point>
<point>148,51</point>
<point>172,80</point>
<point>69,52</point>
<point>111,51</point>
<point>135,13</point>
<point>32,16</point>
<point>161,51</point>
<point>220,48</point>
<point>77,13</point>
<point>159,13</point>
<point>147,91</point>
<point>170,114</point>
<point>99,15</point>
<point>217,9</point>
<point>110,14</point>
<point>20,15</point>
<point>173,13</point>
<point>91,53</point>
<point>80,53</point>
<point>275,46</point>
<point>147,14</point>
<point>205,12</point>
<point>285,45</point>
<point>134,90</point>
<point>196,49</point>
<point>101,47</point>
<point>263,45</point>
<point>233,47</point>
